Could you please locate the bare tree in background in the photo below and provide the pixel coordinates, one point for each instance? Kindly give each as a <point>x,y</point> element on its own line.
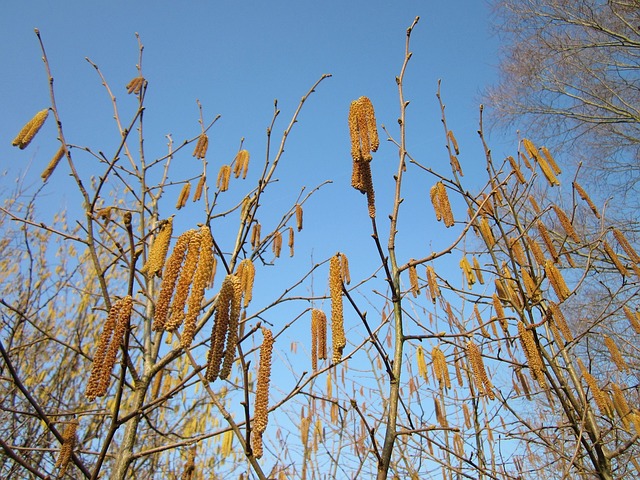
<point>570,73</point>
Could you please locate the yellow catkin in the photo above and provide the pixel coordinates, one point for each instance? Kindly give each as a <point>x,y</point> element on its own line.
<point>560,321</point>
<point>441,414</point>
<point>534,205</point>
<point>363,129</point>
<point>621,405</point>
<point>201,146</point>
<point>260,417</point>
<point>536,250</point>
<point>344,268</point>
<point>516,250</point>
<point>184,196</point>
<point>223,178</point>
<point>53,163</point>
<point>557,281</point>
<point>291,242</point>
<point>478,270</point>
<point>68,444</point>
<point>633,318</point>
<point>585,196</point>
<point>201,280</point>
<point>483,384</point>
<point>199,187</point>
<point>546,238</point>
<point>441,204</point>
<point>500,315</point>
<point>29,131</point>
<point>543,162</point>
<point>277,244</point>
<point>531,352</point>
<point>551,160</point>
<point>255,234</point>
<point>483,329</point>
<point>232,329</point>
<point>135,85</point>
<point>183,286</point>
<point>566,224</point>
<point>314,340</point>
<point>434,289</point>
<point>525,160</point>
<point>298,208</point>
<point>322,334</point>
<point>440,370</point>
<point>220,328</point>
<point>454,142</point>
<point>601,399</point>
<point>487,234</point>
<point>468,271</point>
<point>516,170</point>
<point>533,292</point>
<point>246,272</point>
<point>626,246</point>
<point>338,338</point>
<point>615,259</point>
<point>241,164</point>
<point>413,281</point>
<point>171,272</point>
<point>158,250</point>
<point>616,356</point>
<point>422,364</point>
<point>105,357</point>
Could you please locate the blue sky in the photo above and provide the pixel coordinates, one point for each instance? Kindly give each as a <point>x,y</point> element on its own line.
<point>236,58</point>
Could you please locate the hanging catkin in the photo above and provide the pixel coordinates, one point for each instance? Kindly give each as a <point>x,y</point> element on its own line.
<point>483,384</point>
<point>172,270</point>
<point>110,340</point>
<point>158,251</point>
<point>261,407</point>
<point>232,329</point>
<point>337,321</point>
<point>29,131</point>
<point>201,279</point>
<point>220,328</point>
<point>68,444</point>
<point>184,282</point>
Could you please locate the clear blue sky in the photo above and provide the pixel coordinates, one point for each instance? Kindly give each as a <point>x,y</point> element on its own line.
<point>236,58</point>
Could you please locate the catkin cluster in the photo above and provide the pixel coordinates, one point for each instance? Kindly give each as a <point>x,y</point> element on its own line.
<point>318,337</point>
<point>483,384</point>
<point>440,370</point>
<point>29,131</point>
<point>441,205</point>
<point>68,444</point>
<point>557,281</point>
<point>224,333</point>
<point>158,251</point>
<point>260,416</point>
<point>241,164</point>
<point>110,340</point>
<point>338,338</point>
<point>530,347</point>
<point>135,85</point>
<point>201,279</point>
<point>545,161</point>
<point>201,146</point>
<point>183,196</point>
<point>364,140</point>
<point>432,283</point>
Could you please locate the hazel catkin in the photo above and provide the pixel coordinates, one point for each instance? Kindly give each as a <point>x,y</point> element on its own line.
<point>158,251</point>
<point>338,338</point>
<point>261,412</point>
<point>29,131</point>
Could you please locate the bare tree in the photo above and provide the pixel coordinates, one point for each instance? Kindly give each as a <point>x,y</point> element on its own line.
<point>570,75</point>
